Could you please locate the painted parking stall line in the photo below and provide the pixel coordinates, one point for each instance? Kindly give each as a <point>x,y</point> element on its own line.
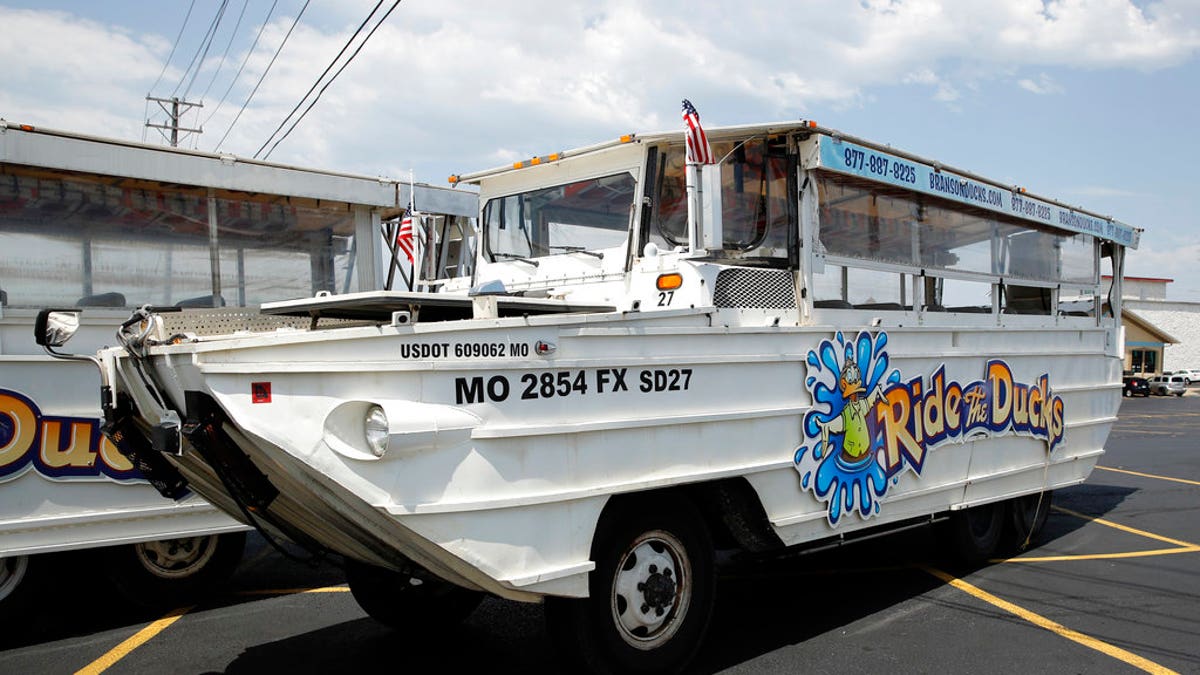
<point>1148,475</point>
<point>137,640</point>
<point>1050,625</point>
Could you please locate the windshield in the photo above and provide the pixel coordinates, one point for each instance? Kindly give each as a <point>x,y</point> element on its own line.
<point>590,214</point>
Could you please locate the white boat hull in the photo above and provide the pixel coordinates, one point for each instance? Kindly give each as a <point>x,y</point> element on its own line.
<point>499,465</point>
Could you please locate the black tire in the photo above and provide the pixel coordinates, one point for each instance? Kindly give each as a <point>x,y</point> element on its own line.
<point>30,585</point>
<point>975,533</point>
<point>415,601</point>
<point>173,572</point>
<point>1026,518</point>
<point>18,595</point>
<point>650,596</point>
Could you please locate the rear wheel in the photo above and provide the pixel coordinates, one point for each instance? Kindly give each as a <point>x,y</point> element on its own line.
<point>975,532</point>
<point>1026,518</point>
<point>651,594</point>
<point>171,572</point>
<point>414,601</point>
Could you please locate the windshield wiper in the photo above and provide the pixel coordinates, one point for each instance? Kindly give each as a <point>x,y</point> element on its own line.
<point>579,249</point>
<point>517,258</point>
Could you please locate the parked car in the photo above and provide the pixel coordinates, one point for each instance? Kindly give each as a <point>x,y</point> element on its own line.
<point>1190,375</point>
<point>1136,386</point>
<point>1164,385</point>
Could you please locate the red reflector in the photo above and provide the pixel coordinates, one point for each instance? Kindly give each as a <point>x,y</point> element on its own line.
<point>260,392</point>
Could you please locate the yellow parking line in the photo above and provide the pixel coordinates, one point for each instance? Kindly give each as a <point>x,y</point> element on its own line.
<point>292,591</point>
<point>1125,528</point>
<point>1183,546</point>
<point>1052,626</point>
<point>141,637</point>
<point>1099,556</point>
<point>1149,475</point>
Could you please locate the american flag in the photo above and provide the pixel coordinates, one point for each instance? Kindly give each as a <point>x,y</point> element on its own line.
<point>404,237</point>
<point>698,150</point>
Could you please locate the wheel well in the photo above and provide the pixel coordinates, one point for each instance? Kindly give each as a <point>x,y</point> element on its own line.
<point>729,506</point>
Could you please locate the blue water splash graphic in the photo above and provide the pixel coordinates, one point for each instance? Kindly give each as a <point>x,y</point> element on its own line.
<point>846,483</point>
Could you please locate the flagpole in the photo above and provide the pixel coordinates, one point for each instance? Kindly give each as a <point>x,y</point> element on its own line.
<point>691,182</point>
<point>414,261</point>
<point>698,152</point>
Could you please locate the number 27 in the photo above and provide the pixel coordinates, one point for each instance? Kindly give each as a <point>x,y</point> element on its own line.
<point>665,297</point>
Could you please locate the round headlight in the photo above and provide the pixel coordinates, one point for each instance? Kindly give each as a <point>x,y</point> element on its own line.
<point>377,430</point>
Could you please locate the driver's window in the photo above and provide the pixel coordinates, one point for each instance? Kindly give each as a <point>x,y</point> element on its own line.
<point>754,195</point>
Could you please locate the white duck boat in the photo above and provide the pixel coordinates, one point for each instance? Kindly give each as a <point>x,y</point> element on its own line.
<point>814,338</point>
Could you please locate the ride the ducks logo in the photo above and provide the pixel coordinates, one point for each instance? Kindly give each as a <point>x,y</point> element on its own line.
<point>867,426</point>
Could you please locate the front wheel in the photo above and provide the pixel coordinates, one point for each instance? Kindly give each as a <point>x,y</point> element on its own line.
<point>414,600</point>
<point>650,596</point>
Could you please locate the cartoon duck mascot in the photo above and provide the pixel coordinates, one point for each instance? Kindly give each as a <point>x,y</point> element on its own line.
<point>851,423</point>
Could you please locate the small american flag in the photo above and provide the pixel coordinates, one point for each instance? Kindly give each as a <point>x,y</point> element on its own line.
<point>404,237</point>
<point>698,150</point>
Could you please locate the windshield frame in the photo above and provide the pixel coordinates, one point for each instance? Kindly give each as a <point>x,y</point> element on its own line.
<point>498,211</point>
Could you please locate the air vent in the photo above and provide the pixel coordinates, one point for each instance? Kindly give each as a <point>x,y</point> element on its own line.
<point>754,288</point>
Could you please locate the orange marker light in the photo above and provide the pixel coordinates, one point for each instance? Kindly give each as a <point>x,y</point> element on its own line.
<point>669,282</point>
<point>453,179</point>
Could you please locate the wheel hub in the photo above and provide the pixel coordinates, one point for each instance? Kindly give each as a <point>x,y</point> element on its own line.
<point>173,558</point>
<point>651,590</point>
<point>658,591</point>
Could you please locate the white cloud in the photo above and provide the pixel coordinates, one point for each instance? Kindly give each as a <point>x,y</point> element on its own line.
<point>1176,262</point>
<point>466,79</point>
<point>1105,191</point>
<point>1044,84</point>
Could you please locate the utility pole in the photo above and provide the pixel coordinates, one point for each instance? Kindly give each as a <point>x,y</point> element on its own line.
<point>174,112</point>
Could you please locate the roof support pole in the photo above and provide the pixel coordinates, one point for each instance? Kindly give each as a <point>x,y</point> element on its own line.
<point>214,250</point>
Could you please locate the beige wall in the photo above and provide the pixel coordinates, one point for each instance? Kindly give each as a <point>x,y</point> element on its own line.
<point>1135,338</point>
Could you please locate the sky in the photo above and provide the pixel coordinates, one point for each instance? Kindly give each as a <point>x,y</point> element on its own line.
<point>1090,102</point>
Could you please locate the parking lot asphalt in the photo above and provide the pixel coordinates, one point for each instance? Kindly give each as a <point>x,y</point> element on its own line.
<point>1112,585</point>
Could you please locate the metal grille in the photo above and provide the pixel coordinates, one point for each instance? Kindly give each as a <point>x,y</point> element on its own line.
<point>756,288</point>
<point>222,321</point>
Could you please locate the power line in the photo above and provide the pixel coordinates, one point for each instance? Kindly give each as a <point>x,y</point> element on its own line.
<point>264,75</point>
<point>238,74</point>
<point>208,39</point>
<point>166,64</point>
<point>232,35</point>
<point>335,76</point>
<point>322,76</point>
<point>173,48</point>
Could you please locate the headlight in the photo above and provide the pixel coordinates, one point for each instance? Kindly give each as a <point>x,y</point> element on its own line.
<point>377,430</point>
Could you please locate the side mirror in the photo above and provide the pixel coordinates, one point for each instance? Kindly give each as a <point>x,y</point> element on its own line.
<point>55,326</point>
